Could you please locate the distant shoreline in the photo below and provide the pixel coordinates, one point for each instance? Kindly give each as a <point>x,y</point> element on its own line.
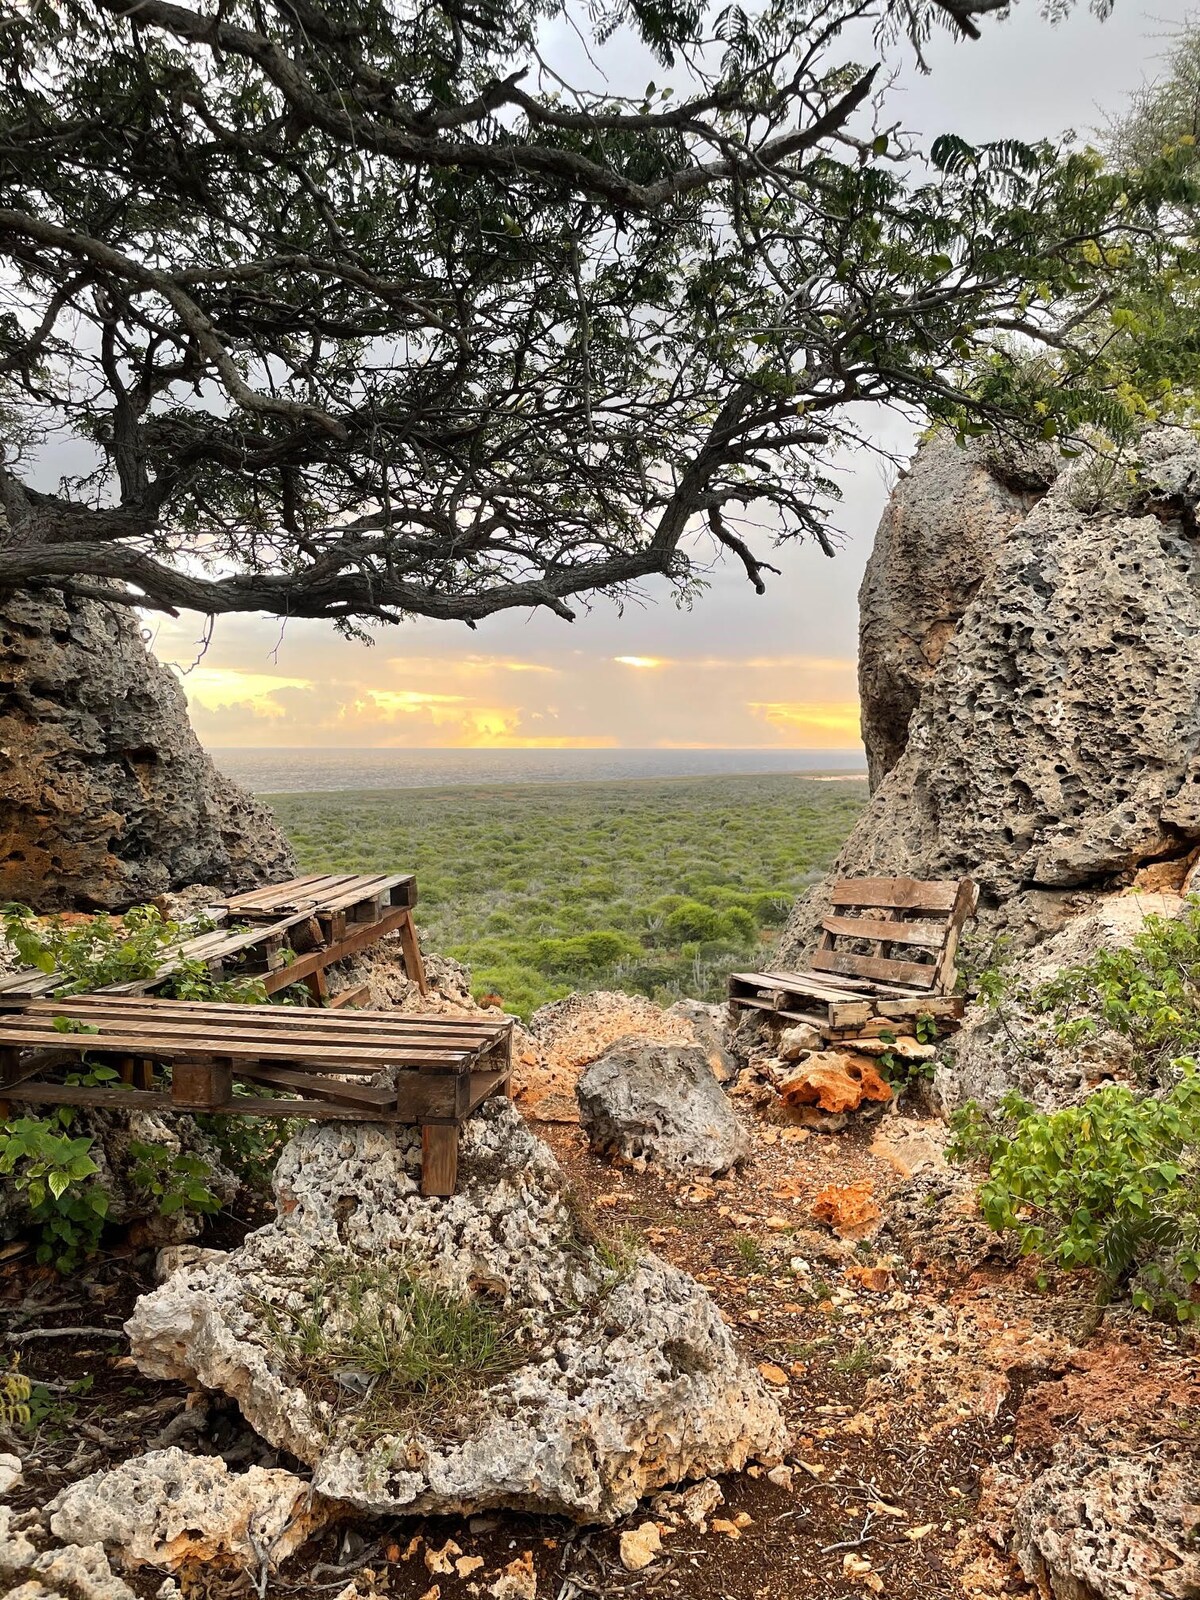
<point>509,786</point>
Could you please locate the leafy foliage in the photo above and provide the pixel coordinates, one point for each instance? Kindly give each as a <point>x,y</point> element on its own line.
<point>53,1168</point>
<point>1111,1186</point>
<point>15,1389</point>
<point>1149,992</point>
<point>679,881</point>
<point>378,315</point>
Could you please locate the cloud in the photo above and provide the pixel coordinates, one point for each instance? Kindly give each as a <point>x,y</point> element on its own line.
<point>644,662</point>
<point>220,688</point>
<point>829,723</point>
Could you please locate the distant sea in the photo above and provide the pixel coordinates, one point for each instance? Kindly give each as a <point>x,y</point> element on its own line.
<point>297,771</point>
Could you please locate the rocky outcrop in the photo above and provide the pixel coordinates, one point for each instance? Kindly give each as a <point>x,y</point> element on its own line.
<point>567,1035</point>
<point>1055,747</point>
<point>661,1103</point>
<point>941,530</point>
<point>1016,1044</point>
<point>106,797</point>
<point>167,1508</point>
<point>589,1378</point>
<point>1099,1525</point>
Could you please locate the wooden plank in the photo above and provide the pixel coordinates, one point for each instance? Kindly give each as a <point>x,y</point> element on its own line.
<point>918,974</point>
<point>337,950</point>
<point>439,1158</point>
<point>483,1085</point>
<point>365,1094</point>
<point>930,934</point>
<point>201,1085</point>
<point>230,1035</point>
<point>930,1005</point>
<point>59,1094</point>
<point>450,1059</point>
<point>410,949</point>
<point>279,1016</point>
<point>909,894</point>
<point>849,1013</point>
<point>350,997</point>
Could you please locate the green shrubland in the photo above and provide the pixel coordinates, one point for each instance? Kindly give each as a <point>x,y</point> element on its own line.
<point>658,887</point>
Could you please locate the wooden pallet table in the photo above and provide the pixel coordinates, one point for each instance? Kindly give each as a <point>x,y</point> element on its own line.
<point>283,934</point>
<point>887,950</point>
<point>187,1056</point>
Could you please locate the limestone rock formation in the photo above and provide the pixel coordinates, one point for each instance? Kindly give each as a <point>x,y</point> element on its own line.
<point>106,797</point>
<point>610,1378</point>
<point>567,1035</point>
<point>1099,1525</point>
<point>663,1103</point>
<point>939,536</point>
<point>1015,1045</point>
<point>1055,747</point>
<point>167,1508</point>
<point>80,1572</point>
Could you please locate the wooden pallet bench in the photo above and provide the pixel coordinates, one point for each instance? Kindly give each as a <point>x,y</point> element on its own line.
<point>887,949</point>
<point>283,934</point>
<point>187,1056</point>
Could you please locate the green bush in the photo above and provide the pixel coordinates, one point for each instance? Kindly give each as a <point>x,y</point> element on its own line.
<point>693,923</point>
<point>586,954</point>
<point>1111,1186</point>
<point>1149,992</point>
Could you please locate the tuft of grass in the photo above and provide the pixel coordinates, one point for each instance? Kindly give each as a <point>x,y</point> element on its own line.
<point>860,1359</point>
<point>401,1352</point>
<point>750,1252</point>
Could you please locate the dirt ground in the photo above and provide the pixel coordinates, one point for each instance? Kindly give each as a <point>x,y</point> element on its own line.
<point>902,1384</point>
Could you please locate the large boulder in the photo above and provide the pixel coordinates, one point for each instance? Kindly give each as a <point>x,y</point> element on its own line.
<point>940,533</point>
<point>1055,746</point>
<point>106,796</point>
<point>429,1355</point>
<point>567,1035</point>
<point>661,1102</point>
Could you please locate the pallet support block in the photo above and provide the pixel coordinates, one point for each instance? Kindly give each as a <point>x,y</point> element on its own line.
<point>202,1084</point>
<point>439,1158</point>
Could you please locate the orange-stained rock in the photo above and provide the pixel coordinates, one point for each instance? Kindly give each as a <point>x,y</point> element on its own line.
<point>835,1081</point>
<point>875,1280</point>
<point>848,1208</point>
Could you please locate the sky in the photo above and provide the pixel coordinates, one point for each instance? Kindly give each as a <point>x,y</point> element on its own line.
<point>737,670</point>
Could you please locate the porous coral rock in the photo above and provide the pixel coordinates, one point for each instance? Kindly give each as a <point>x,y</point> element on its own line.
<point>106,796</point>
<point>834,1081</point>
<point>1102,1525</point>
<point>1055,745</point>
<point>663,1103</point>
<point>630,1381</point>
<point>166,1508</point>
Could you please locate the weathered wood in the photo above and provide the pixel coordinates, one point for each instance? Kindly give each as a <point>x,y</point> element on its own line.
<point>908,894</point>
<point>350,997</point>
<point>918,974</point>
<point>318,986</point>
<point>931,934</point>
<point>439,1158</point>
<point>201,1084</point>
<point>410,949</point>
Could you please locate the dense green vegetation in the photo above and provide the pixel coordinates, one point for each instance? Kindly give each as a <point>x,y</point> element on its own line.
<point>658,887</point>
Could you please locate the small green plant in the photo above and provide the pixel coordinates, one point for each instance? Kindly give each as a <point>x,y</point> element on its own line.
<point>176,1181</point>
<point>926,1029</point>
<point>750,1252</point>
<point>15,1390</point>
<point>402,1349</point>
<point>903,1072</point>
<point>860,1359</point>
<point>1111,1186</point>
<point>52,1169</point>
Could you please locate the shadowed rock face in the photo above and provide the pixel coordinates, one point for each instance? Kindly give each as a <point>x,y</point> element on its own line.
<point>939,536</point>
<point>106,796</point>
<point>1055,746</point>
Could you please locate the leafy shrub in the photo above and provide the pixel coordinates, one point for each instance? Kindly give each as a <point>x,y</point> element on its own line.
<point>175,1181</point>
<point>693,923</point>
<point>52,1170</point>
<point>1111,1186</point>
<point>585,954</point>
<point>1148,991</point>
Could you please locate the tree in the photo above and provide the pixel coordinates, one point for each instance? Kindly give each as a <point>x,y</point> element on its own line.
<point>366,312</point>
